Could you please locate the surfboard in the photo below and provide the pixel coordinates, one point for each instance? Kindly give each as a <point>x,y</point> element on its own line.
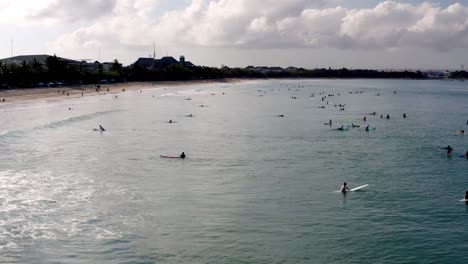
<point>358,188</point>
<point>354,189</point>
<point>464,200</point>
<point>170,157</point>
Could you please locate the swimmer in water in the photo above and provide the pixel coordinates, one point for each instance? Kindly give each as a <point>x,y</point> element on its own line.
<point>449,150</point>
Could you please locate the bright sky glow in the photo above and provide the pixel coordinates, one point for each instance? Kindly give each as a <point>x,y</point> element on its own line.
<point>306,33</point>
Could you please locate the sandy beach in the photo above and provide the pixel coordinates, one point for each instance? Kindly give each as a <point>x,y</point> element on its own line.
<point>24,94</point>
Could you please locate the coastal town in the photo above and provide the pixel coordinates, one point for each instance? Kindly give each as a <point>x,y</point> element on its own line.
<point>51,71</point>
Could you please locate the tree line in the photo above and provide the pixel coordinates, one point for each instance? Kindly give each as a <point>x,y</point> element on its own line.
<point>59,72</point>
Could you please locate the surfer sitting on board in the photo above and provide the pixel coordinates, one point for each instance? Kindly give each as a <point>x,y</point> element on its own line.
<point>182,156</point>
<point>449,150</point>
<point>101,128</point>
<point>344,188</point>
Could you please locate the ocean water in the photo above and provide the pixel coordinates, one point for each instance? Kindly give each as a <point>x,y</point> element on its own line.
<point>254,188</point>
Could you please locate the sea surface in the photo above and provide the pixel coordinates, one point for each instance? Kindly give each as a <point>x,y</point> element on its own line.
<point>254,188</point>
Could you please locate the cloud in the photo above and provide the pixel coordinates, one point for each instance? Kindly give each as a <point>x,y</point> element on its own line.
<point>73,10</point>
<point>272,24</point>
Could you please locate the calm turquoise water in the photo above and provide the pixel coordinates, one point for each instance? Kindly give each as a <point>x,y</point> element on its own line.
<point>255,188</point>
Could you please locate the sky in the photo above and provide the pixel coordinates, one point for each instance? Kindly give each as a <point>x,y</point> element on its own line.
<point>377,34</point>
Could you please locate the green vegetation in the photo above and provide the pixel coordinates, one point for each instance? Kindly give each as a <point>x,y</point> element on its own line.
<point>58,72</point>
<point>459,75</point>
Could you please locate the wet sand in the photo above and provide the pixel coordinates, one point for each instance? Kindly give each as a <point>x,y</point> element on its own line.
<point>24,94</point>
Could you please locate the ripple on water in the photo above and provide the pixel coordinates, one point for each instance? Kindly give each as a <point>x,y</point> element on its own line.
<point>43,206</point>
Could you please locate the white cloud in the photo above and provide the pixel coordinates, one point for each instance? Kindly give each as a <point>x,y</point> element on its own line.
<point>271,24</point>
<point>72,10</point>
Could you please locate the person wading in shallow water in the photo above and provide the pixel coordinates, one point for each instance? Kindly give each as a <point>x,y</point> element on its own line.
<point>344,188</point>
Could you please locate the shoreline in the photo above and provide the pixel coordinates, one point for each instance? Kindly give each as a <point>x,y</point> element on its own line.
<point>28,94</point>
<point>12,95</point>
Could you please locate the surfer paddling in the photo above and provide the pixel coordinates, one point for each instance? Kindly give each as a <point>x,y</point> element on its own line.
<point>344,188</point>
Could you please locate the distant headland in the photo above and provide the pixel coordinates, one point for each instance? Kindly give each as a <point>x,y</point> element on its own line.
<point>30,71</point>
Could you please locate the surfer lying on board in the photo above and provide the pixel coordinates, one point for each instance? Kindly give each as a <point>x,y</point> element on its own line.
<point>344,188</point>
<point>449,150</point>
<point>341,128</point>
<point>182,156</point>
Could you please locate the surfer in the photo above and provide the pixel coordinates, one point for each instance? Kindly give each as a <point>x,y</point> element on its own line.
<point>344,188</point>
<point>364,119</point>
<point>461,131</point>
<point>388,116</point>
<point>466,195</point>
<point>449,150</point>
<point>101,128</point>
<point>404,115</point>
<point>341,128</point>
<point>170,121</point>
<point>353,125</point>
<point>182,156</point>
<point>330,122</point>
<point>367,128</point>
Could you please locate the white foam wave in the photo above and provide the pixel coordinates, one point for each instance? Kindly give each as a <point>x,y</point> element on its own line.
<point>189,92</point>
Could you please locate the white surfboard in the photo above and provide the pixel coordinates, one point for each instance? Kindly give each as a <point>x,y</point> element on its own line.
<point>464,200</point>
<point>358,188</point>
<point>354,189</point>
